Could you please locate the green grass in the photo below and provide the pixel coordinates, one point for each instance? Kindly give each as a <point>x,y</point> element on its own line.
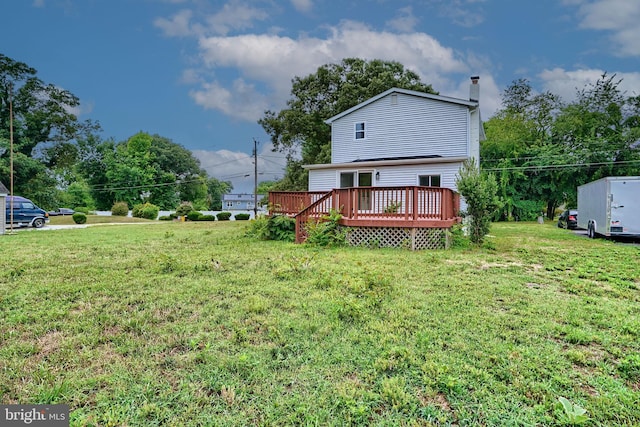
<point>193,324</point>
<point>96,219</point>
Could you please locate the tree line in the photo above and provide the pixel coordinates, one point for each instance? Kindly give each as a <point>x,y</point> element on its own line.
<point>539,147</point>
<point>59,160</point>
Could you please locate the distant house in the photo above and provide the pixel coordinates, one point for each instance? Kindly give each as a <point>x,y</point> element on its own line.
<point>240,202</point>
<point>394,162</point>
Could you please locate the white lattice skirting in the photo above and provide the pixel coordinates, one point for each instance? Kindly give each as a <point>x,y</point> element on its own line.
<point>395,237</point>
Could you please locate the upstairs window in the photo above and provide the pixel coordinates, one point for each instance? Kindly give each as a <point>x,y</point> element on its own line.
<point>360,130</point>
<point>429,180</point>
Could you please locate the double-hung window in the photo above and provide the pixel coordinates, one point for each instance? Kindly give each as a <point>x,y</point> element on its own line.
<point>360,134</point>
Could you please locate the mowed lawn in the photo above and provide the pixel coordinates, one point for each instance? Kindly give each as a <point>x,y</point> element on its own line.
<point>194,324</point>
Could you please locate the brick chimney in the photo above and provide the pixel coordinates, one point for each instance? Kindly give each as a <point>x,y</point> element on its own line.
<point>474,89</point>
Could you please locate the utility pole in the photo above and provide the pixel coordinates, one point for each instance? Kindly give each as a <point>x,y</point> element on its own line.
<point>255,178</point>
<point>11,156</point>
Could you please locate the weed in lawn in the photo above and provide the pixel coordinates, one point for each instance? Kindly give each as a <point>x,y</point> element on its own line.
<point>394,392</point>
<point>572,414</point>
<point>167,263</point>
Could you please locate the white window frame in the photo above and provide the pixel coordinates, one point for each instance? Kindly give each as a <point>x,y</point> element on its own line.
<point>430,175</point>
<point>357,131</point>
<point>229,203</point>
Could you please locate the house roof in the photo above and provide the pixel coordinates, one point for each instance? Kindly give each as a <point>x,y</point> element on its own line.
<point>372,163</point>
<point>464,102</point>
<point>3,189</point>
<point>240,197</point>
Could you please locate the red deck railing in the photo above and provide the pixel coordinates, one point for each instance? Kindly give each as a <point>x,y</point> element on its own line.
<point>291,202</point>
<point>410,206</point>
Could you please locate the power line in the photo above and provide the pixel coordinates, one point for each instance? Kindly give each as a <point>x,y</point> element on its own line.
<point>563,166</point>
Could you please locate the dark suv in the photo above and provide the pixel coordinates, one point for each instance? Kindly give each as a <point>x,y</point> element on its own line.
<point>568,219</point>
<point>25,213</point>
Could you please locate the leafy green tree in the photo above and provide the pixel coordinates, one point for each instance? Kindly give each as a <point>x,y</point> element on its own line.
<point>174,163</point>
<point>129,169</point>
<point>601,129</point>
<point>521,149</point>
<point>480,193</point>
<point>77,194</point>
<point>145,168</point>
<point>92,167</point>
<point>265,186</point>
<point>215,190</point>
<point>44,129</point>
<point>333,88</point>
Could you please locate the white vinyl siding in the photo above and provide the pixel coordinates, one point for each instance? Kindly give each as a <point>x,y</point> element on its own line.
<point>408,175</point>
<point>322,180</point>
<point>390,176</point>
<point>413,127</point>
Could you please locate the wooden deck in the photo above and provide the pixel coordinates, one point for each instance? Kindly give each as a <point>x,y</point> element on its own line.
<point>393,207</point>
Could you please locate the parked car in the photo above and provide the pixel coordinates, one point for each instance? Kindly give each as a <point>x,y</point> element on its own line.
<point>62,211</point>
<point>568,219</point>
<point>25,213</point>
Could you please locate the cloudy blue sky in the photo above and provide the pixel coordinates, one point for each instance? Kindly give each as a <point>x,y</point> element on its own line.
<point>202,72</point>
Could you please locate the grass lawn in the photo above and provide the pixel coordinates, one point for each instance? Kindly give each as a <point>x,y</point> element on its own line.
<point>194,324</point>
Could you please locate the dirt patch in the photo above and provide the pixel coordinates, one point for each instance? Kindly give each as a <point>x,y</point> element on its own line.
<point>50,343</point>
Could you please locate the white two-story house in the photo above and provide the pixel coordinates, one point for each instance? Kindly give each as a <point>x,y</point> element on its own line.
<point>394,162</point>
<point>401,137</point>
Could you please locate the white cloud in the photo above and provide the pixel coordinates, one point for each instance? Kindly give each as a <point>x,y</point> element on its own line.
<point>191,76</point>
<point>234,16</point>
<point>620,17</point>
<point>404,22</point>
<point>241,100</point>
<point>462,12</point>
<point>177,26</point>
<point>274,60</point>
<point>567,83</point>
<point>302,5</point>
<point>238,167</point>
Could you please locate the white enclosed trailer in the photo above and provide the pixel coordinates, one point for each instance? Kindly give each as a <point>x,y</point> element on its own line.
<point>610,207</point>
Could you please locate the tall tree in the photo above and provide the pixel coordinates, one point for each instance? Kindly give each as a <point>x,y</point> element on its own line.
<point>44,125</point>
<point>520,147</point>
<point>602,130</point>
<point>542,149</point>
<point>145,167</point>
<point>333,88</point>
<point>215,190</point>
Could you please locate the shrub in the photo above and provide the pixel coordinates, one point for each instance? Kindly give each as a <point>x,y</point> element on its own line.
<point>207,218</point>
<point>242,216</point>
<point>146,210</point>
<point>165,218</point>
<point>184,209</point>
<point>327,231</point>
<point>82,209</point>
<point>194,215</point>
<point>275,227</point>
<point>480,193</point>
<point>120,209</point>
<point>224,216</point>
<point>79,218</point>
